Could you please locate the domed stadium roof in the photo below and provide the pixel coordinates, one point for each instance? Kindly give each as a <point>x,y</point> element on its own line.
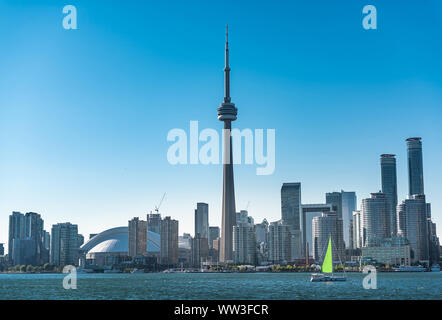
<point>117,240</point>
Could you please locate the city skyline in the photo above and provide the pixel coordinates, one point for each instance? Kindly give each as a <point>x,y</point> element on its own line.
<point>93,160</point>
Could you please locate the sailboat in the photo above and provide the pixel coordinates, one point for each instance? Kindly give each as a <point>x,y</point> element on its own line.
<point>327,268</point>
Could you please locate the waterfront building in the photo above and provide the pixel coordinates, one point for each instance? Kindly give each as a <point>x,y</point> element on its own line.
<point>112,245</point>
<point>323,227</point>
<point>154,222</point>
<point>16,231</point>
<point>335,200</point>
<point>64,244</point>
<point>244,244</point>
<point>137,237</point>
<point>412,224</point>
<point>415,166</point>
<point>2,249</point>
<point>357,229</point>
<point>433,243</point>
<point>213,235</point>
<point>375,219</point>
<point>309,211</point>
<point>199,251</point>
<point>291,204</point>
<point>279,242</point>
<point>185,241</point>
<point>34,230</point>
<point>389,187</point>
<point>169,241</point>
<point>202,220</point>
<point>348,205</point>
<point>390,251</point>
<point>227,113</point>
<point>261,232</point>
<point>23,251</point>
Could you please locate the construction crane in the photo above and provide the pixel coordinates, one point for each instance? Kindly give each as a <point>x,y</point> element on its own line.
<point>157,208</point>
<point>247,207</point>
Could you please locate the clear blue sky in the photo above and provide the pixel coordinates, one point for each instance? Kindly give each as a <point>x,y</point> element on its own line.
<point>84,114</point>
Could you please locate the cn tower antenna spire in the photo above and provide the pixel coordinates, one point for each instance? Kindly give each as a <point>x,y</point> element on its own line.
<point>227,70</point>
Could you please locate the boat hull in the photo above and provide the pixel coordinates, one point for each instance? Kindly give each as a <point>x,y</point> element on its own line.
<point>326,278</point>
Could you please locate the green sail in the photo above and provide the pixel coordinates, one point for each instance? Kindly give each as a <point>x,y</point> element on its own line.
<point>327,264</point>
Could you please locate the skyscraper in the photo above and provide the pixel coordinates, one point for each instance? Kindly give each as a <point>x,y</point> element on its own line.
<point>280,242</point>
<point>335,199</point>
<point>213,235</point>
<point>348,206</point>
<point>244,243</point>
<point>199,250</point>
<point>389,187</point>
<point>202,220</point>
<point>291,204</point>
<point>412,224</point>
<point>34,230</point>
<point>357,229</point>
<point>227,113</point>
<point>169,241</point>
<point>415,166</point>
<point>375,219</point>
<point>137,237</point>
<point>154,222</point>
<point>323,227</point>
<point>16,230</point>
<point>64,244</point>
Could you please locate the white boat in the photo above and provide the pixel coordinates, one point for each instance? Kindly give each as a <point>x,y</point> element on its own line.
<point>326,274</point>
<point>435,268</point>
<point>410,269</point>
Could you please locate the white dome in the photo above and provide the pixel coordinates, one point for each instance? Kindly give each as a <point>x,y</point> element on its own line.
<point>117,240</point>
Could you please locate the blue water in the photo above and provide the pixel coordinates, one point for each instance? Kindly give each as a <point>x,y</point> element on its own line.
<point>219,286</point>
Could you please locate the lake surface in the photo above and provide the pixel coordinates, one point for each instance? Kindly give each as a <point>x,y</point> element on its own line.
<point>257,286</point>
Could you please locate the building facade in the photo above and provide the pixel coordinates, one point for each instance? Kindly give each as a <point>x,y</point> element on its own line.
<point>323,228</point>
<point>413,225</point>
<point>154,222</point>
<point>137,237</point>
<point>389,187</point>
<point>169,241</point>
<point>348,206</point>
<point>244,244</point>
<point>415,166</point>
<point>64,244</point>
<point>375,219</point>
<point>291,204</point>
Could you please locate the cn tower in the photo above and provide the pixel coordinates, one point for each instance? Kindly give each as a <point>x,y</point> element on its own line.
<point>227,113</point>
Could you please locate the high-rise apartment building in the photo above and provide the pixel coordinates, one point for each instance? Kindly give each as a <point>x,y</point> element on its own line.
<point>280,242</point>
<point>202,220</point>
<point>415,166</point>
<point>375,219</point>
<point>348,206</point>
<point>323,227</point>
<point>357,230</point>
<point>154,222</point>
<point>291,204</point>
<point>16,230</point>
<point>213,235</point>
<point>244,244</point>
<point>137,237</point>
<point>199,250</point>
<point>412,224</point>
<point>389,187</point>
<point>169,241</point>
<point>64,244</point>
